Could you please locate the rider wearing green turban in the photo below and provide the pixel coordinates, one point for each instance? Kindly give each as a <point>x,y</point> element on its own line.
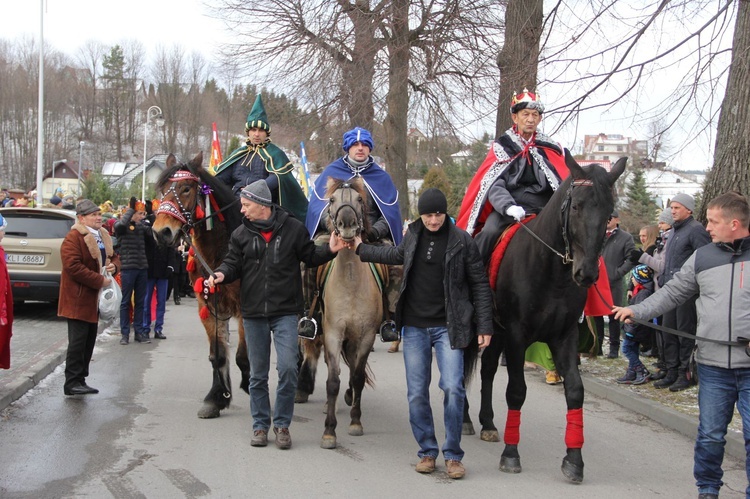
<point>260,159</point>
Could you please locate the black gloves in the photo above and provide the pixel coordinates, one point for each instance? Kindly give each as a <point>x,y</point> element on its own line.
<point>635,256</point>
<point>373,234</point>
<point>650,250</point>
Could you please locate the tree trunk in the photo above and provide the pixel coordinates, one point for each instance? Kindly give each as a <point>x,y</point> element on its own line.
<point>398,101</point>
<point>731,169</point>
<point>356,86</point>
<point>519,56</point>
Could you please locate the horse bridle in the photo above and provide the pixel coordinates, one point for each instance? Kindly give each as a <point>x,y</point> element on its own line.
<point>346,203</point>
<point>567,257</point>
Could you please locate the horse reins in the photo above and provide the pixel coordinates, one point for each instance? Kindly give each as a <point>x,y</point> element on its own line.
<point>741,341</point>
<point>565,209</point>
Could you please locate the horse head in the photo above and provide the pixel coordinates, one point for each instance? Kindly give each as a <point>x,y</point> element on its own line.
<point>347,201</point>
<point>589,201</point>
<point>178,188</point>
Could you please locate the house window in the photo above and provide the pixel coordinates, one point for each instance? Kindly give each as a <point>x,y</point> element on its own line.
<point>600,148</point>
<point>605,158</point>
<point>619,148</point>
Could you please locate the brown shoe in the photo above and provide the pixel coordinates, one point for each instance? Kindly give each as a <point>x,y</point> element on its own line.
<point>426,465</point>
<point>283,439</point>
<point>454,469</point>
<point>394,346</point>
<point>260,438</point>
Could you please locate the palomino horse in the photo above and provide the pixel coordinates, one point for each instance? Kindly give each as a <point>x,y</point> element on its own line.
<point>540,295</point>
<point>195,202</point>
<point>352,309</point>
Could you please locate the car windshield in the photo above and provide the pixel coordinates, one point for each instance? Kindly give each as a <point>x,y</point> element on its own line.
<point>36,226</point>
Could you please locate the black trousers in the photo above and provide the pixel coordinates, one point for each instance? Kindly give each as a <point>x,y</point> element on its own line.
<point>488,236</point>
<point>81,340</point>
<point>677,349</point>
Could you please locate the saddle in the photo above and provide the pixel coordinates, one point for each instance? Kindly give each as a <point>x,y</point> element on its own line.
<point>501,246</point>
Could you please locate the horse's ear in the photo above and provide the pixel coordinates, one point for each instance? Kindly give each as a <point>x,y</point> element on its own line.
<point>575,169</point>
<point>618,168</point>
<point>171,160</point>
<point>197,161</point>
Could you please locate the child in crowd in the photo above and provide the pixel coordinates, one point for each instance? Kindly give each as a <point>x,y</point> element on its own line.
<point>643,286</point>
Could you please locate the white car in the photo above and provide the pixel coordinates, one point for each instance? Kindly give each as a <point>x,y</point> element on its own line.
<point>32,250</point>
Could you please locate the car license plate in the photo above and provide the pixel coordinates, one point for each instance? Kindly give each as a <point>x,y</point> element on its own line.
<point>25,259</point>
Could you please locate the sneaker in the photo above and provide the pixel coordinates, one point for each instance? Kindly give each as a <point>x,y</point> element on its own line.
<point>260,438</point>
<point>551,378</point>
<point>124,340</point>
<point>628,378</point>
<point>426,465</point>
<point>666,381</point>
<point>660,374</point>
<point>142,339</point>
<point>641,376</point>
<point>159,335</point>
<point>682,383</point>
<point>454,469</point>
<point>283,439</point>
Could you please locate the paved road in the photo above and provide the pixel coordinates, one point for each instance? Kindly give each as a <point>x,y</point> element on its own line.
<point>140,437</point>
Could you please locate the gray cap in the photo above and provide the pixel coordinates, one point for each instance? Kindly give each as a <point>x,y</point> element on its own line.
<point>614,214</point>
<point>666,217</point>
<point>685,200</point>
<point>257,192</point>
<point>86,206</point>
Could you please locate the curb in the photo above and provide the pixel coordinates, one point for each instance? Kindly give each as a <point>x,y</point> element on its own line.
<point>666,416</point>
<point>35,371</point>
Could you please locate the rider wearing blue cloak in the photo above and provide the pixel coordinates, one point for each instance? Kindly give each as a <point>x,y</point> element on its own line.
<point>383,211</point>
<point>260,159</point>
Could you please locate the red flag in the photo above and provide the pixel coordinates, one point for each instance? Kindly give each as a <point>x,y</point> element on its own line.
<point>215,150</point>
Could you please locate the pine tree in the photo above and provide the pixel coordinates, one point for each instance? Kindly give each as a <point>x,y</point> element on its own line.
<point>641,209</point>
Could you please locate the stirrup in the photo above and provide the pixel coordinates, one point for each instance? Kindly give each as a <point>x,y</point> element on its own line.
<point>388,332</point>
<point>307,328</point>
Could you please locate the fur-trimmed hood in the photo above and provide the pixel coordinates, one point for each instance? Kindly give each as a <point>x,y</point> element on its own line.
<point>93,247</point>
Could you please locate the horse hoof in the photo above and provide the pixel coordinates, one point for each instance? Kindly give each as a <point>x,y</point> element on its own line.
<point>490,436</point>
<point>572,472</point>
<point>348,397</point>
<point>208,411</point>
<point>510,464</point>
<point>301,397</point>
<point>328,442</point>
<point>356,430</point>
<point>467,428</point>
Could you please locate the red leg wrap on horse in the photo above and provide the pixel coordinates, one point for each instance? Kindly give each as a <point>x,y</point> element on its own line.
<point>512,427</point>
<point>574,430</point>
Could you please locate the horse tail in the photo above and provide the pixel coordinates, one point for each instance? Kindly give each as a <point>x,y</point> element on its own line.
<point>369,374</point>
<point>471,354</point>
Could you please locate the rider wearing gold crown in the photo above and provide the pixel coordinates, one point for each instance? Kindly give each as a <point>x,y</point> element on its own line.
<point>522,170</point>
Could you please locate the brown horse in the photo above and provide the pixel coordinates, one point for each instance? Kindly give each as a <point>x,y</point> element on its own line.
<point>352,309</point>
<point>196,203</point>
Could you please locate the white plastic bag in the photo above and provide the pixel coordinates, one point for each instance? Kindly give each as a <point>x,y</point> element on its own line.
<point>110,298</point>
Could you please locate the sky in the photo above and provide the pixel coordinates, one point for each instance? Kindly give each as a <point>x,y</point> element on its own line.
<point>68,24</point>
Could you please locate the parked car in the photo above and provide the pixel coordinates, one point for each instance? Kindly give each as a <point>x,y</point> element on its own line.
<point>32,247</point>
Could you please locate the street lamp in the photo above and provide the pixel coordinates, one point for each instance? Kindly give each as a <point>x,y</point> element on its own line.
<point>153,112</point>
<point>80,165</point>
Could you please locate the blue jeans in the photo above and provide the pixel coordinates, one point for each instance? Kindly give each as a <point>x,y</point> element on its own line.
<point>631,351</point>
<point>418,344</point>
<point>258,337</point>
<point>161,286</point>
<point>133,281</point>
<point>718,391</point>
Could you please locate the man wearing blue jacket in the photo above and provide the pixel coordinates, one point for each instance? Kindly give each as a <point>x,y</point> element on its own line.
<point>716,272</point>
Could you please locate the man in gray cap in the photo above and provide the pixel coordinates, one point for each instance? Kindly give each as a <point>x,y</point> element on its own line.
<point>687,236</point>
<point>265,253</point>
<point>618,245</point>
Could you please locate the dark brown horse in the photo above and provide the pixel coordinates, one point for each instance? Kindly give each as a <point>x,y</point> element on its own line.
<point>196,203</point>
<point>540,294</point>
<point>352,310</point>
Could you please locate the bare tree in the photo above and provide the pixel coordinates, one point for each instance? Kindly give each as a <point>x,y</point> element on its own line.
<point>84,100</point>
<point>170,73</point>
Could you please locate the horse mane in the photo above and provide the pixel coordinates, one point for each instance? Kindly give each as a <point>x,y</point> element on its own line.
<point>601,182</point>
<point>222,193</point>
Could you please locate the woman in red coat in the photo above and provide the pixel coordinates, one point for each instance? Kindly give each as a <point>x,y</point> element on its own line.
<point>6,304</point>
<point>87,249</point>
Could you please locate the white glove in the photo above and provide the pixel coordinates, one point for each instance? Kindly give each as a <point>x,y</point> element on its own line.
<point>516,212</point>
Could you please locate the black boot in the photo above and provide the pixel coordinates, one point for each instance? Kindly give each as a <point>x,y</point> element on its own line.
<point>667,381</point>
<point>388,332</point>
<point>682,383</point>
<point>614,351</point>
<point>176,299</point>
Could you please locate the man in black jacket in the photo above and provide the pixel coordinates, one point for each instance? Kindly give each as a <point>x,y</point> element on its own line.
<point>687,236</point>
<point>444,288</point>
<point>265,254</point>
<point>618,245</point>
